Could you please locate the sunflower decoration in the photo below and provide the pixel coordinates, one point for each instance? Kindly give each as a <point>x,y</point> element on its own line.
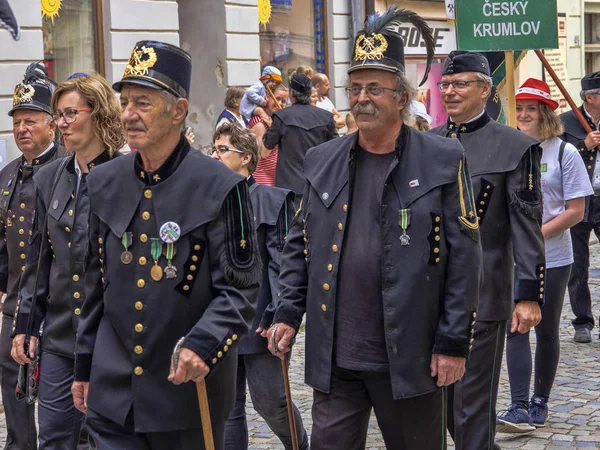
<point>50,9</point>
<point>264,12</point>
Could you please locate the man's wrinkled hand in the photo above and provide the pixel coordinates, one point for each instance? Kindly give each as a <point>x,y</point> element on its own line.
<point>527,314</point>
<point>283,338</point>
<point>448,369</point>
<point>79,389</point>
<point>190,368</point>
<point>18,349</point>
<point>592,140</point>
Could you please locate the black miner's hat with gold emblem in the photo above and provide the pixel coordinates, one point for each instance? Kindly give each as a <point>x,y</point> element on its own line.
<point>379,45</point>
<point>35,91</point>
<point>158,65</point>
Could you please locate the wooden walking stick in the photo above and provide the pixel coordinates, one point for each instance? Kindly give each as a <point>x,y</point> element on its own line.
<point>288,393</point>
<point>209,442</point>
<point>563,90</point>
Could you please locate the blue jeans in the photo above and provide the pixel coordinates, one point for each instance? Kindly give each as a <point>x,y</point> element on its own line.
<point>265,383</point>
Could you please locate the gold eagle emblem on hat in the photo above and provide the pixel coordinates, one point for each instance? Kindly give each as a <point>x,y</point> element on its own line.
<point>141,60</point>
<point>23,94</point>
<point>370,47</point>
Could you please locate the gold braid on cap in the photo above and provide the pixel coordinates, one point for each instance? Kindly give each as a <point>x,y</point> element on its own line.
<point>141,60</point>
<point>23,94</point>
<point>376,26</point>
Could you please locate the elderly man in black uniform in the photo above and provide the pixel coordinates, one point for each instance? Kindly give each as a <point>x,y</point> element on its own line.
<point>33,130</point>
<point>586,143</point>
<point>384,259</point>
<point>295,130</point>
<point>172,273</point>
<point>273,209</point>
<point>505,165</point>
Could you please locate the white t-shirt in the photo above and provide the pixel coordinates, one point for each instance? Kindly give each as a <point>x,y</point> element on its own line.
<point>557,188</point>
<point>326,104</point>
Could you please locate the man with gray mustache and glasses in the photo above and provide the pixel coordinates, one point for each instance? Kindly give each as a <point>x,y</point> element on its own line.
<point>384,258</point>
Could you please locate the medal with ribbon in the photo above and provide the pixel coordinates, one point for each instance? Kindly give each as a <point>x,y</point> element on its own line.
<point>156,251</point>
<point>169,252</point>
<point>126,240</point>
<point>404,222</point>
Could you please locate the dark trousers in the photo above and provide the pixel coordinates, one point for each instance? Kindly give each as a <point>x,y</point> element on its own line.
<point>547,349</point>
<point>107,435</point>
<point>59,421</point>
<point>341,417</point>
<point>265,383</point>
<point>20,417</point>
<point>579,291</point>
<point>472,400</point>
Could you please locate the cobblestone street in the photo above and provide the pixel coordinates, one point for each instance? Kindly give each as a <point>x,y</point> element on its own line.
<point>574,419</point>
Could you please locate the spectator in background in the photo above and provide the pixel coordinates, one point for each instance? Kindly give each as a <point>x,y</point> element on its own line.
<point>306,70</point>
<point>423,120</point>
<point>255,98</point>
<point>267,164</point>
<point>314,96</point>
<point>321,82</point>
<point>231,113</point>
<point>295,130</point>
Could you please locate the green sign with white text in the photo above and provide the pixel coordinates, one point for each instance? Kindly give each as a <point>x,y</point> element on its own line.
<point>500,25</point>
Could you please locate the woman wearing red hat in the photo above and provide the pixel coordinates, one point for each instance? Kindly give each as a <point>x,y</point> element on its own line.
<point>565,184</point>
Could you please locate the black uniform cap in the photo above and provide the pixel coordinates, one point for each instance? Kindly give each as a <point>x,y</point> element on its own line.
<point>379,46</point>
<point>459,61</point>
<point>590,81</point>
<point>158,65</point>
<point>35,91</point>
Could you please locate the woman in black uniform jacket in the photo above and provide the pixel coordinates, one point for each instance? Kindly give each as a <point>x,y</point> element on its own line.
<point>88,117</point>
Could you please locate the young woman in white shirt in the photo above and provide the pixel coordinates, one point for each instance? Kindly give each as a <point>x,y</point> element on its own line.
<point>565,185</point>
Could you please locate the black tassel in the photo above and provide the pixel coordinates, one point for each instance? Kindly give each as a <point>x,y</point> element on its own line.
<point>531,209</point>
<point>241,278</point>
<point>392,19</point>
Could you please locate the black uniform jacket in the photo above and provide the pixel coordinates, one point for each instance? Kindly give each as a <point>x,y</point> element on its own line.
<point>60,285</point>
<point>273,212</point>
<point>17,205</point>
<point>505,171</point>
<point>295,130</point>
<point>131,322</point>
<point>575,134</point>
<point>429,287</point>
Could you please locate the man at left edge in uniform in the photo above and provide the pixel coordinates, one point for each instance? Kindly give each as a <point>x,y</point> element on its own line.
<point>384,259</point>
<point>173,265</point>
<point>33,131</point>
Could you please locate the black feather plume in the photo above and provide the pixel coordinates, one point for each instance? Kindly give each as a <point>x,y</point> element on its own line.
<point>37,72</point>
<point>389,22</point>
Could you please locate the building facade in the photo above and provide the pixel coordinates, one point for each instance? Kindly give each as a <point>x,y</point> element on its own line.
<point>229,45</point>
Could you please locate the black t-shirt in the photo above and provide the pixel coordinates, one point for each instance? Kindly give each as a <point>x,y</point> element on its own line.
<point>359,329</point>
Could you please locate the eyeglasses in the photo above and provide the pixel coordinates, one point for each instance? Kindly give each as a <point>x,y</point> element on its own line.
<point>221,150</point>
<point>70,115</point>
<point>371,90</point>
<point>459,85</point>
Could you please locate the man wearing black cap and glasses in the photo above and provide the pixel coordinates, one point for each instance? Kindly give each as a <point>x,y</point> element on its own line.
<point>579,291</point>
<point>172,275</point>
<point>505,169</point>
<point>33,130</point>
<point>384,259</point>
<point>295,130</point>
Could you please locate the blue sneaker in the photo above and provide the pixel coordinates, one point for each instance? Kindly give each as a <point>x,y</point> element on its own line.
<point>538,411</point>
<point>514,420</point>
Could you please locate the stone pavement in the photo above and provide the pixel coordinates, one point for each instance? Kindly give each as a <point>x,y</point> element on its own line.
<point>574,407</point>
